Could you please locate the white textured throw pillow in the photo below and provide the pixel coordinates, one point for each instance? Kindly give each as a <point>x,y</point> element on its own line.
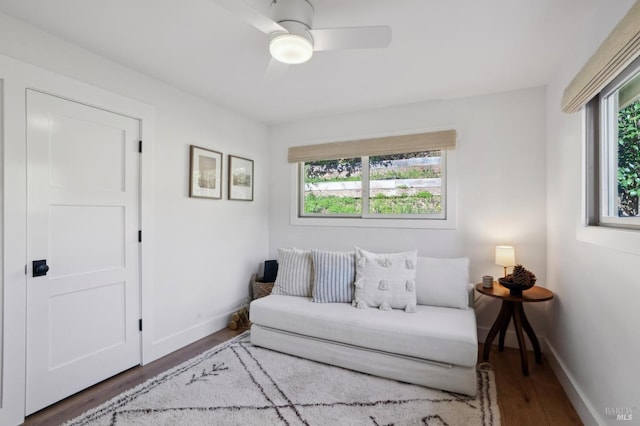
<point>385,281</point>
<point>443,282</point>
<point>295,270</point>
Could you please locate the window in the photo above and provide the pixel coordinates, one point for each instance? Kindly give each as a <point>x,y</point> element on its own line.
<point>405,185</point>
<point>401,177</point>
<point>609,90</point>
<point>613,131</point>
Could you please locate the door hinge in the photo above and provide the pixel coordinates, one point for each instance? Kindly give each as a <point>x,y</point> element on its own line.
<point>139,236</point>
<point>140,324</point>
<point>25,269</point>
<point>140,147</point>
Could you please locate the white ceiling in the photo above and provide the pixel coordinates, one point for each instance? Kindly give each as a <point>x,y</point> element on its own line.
<point>440,49</point>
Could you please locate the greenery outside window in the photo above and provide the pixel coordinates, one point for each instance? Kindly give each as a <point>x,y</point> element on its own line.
<point>613,154</point>
<point>331,187</point>
<point>406,185</point>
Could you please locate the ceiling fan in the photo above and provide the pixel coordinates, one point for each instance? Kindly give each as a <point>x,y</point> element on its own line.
<point>293,38</point>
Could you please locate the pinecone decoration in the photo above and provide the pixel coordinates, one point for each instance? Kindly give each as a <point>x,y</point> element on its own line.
<point>523,277</point>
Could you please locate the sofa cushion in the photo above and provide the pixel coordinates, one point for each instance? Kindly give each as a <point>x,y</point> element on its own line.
<point>333,275</point>
<point>443,282</point>
<point>433,333</point>
<point>385,280</point>
<point>294,273</point>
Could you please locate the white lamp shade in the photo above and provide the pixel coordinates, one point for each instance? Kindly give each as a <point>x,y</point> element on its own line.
<point>291,49</point>
<point>505,256</point>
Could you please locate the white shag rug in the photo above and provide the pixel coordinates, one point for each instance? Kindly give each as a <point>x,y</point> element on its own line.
<point>237,383</point>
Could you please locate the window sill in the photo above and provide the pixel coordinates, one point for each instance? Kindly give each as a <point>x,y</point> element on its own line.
<point>357,222</point>
<point>625,240</point>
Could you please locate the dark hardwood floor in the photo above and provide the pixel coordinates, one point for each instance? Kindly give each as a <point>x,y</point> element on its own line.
<point>534,400</point>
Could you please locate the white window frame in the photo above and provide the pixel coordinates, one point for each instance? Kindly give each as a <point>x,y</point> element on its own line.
<point>602,136</point>
<point>446,220</point>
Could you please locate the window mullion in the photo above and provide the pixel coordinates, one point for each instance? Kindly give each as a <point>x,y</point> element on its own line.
<point>612,154</point>
<point>605,162</point>
<point>443,183</point>
<point>613,174</point>
<point>301,188</point>
<point>365,186</point>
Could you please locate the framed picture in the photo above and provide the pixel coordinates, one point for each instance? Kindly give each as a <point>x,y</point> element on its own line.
<point>205,173</point>
<point>240,178</point>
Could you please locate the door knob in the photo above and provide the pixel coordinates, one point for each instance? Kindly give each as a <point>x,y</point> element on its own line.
<point>40,268</point>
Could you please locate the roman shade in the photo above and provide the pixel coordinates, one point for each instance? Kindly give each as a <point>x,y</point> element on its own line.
<point>445,139</point>
<point>614,55</point>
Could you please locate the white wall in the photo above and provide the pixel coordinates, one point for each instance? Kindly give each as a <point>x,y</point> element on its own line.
<point>202,251</point>
<point>593,320</point>
<point>1,228</point>
<point>500,192</point>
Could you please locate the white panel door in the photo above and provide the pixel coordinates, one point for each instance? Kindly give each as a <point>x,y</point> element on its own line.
<point>83,202</point>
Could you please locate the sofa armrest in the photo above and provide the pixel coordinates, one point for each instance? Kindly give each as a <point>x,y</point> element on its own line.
<point>472,295</point>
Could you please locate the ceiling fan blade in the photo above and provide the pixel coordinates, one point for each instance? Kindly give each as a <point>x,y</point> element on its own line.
<point>251,16</point>
<point>275,70</point>
<point>351,38</point>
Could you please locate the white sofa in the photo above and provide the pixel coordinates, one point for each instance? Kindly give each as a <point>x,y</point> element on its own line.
<point>436,346</point>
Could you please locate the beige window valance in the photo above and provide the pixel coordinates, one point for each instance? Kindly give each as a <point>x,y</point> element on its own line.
<point>614,55</point>
<point>431,141</point>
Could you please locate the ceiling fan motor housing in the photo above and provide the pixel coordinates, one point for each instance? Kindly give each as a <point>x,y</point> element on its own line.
<point>296,16</point>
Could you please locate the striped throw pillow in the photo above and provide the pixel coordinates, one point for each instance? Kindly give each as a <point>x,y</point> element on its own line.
<point>294,273</point>
<point>334,273</point>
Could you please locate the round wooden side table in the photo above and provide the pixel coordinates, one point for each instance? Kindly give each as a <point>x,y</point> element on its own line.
<point>512,308</point>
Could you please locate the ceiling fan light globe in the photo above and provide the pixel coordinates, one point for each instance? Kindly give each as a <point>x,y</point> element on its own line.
<point>291,49</point>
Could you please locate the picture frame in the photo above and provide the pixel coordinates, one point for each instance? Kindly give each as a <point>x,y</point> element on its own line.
<point>205,173</point>
<point>240,178</point>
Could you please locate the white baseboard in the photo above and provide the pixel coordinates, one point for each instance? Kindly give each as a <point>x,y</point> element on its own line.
<point>173,342</point>
<point>585,409</point>
<point>511,340</point>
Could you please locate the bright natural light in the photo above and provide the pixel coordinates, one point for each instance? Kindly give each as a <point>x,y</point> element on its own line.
<point>409,184</point>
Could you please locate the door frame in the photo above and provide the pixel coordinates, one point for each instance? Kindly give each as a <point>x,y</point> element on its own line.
<point>16,78</point>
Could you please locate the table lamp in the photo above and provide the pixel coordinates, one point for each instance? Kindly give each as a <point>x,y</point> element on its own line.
<point>505,256</point>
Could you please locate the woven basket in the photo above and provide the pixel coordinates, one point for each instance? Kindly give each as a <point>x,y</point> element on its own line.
<point>259,289</point>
